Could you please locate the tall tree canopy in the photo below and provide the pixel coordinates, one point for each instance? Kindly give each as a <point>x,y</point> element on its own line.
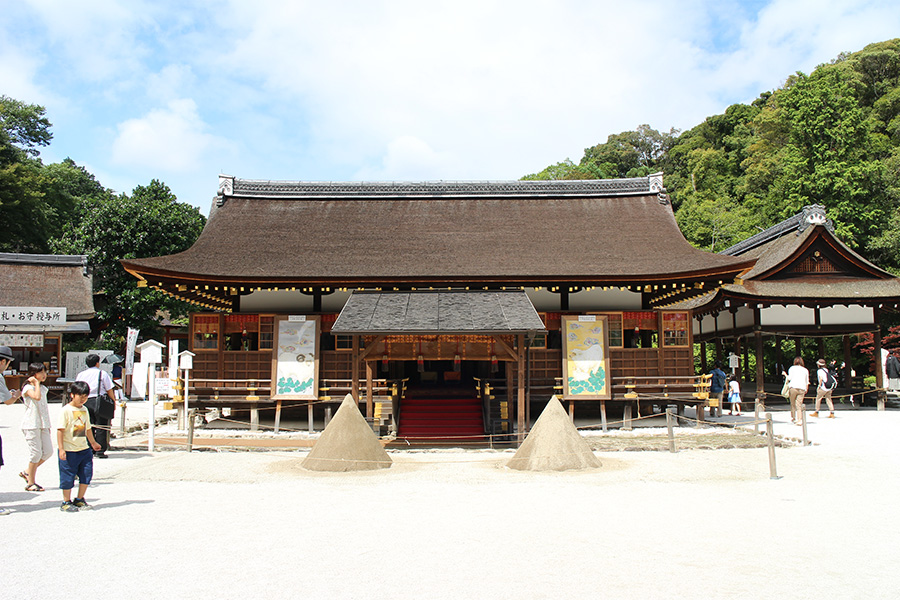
<point>150,222</point>
<point>26,217</point>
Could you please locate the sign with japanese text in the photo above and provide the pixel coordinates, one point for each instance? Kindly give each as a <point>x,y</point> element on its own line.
<point>22,340</point>
<point>32,315</point>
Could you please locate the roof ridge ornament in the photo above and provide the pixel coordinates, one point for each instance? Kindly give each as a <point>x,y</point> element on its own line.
<point>814,214</point>
<point>655,183</point>
<point>226,188</point>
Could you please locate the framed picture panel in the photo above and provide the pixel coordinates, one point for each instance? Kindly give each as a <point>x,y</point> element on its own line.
<point>295,360</point>
<point>585,357</point>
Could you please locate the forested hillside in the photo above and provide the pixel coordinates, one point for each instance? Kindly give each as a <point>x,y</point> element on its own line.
<point>831,137</point>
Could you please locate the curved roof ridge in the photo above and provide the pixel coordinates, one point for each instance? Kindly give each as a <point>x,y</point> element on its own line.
<point>813,214</point>
<point>259,188</point>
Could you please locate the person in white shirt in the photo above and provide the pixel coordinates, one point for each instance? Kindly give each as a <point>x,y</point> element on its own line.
<point>798,384</point>
<point>101,403</point>
<point>36,424</point>
<point>823,390</point>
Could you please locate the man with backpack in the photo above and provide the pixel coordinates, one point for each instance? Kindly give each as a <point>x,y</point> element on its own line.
<point>827,383</point>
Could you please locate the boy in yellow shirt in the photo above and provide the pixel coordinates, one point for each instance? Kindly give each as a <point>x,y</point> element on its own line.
<point>75,456</point>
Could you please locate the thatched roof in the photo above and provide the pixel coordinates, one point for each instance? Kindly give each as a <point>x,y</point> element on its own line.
<point>47,280</point>
<point>441,233</point>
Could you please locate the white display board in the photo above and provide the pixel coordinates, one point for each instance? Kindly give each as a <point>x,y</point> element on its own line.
<point>75,362</point>
<point>295,362</point>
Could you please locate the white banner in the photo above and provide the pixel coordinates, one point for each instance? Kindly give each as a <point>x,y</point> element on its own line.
<point>32,315</point>
<point>173,367</point>
<point>131,338</point>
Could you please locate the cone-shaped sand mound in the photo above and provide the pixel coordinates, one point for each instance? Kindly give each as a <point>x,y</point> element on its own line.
<point>553,444</point>
<point>347,444</point>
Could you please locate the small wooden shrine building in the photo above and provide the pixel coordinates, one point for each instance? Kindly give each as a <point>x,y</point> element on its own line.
<point>536,284</point>
<point>806,284</point>
<point>42,296</point>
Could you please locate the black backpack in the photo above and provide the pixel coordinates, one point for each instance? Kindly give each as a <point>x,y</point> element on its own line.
<point>830,382</point>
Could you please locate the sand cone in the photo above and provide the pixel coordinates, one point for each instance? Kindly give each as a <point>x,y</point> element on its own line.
<point>553,444</point>
<point>347,444</point>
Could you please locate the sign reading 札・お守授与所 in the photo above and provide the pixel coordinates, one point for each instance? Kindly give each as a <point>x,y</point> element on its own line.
<point>295,372</point>
<point>585,357</point>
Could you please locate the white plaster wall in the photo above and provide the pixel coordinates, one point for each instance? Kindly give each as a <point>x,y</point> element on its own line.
<point>846,315</point>
<point>334,302</point>
<point>586,300</point>
<point>744,317</point>
<point>787,315</point>
<point>282,301</point>
<point>599,299</point>
<point>543,300</point>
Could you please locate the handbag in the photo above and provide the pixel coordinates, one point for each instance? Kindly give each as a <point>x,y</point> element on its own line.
<point>785,389</point>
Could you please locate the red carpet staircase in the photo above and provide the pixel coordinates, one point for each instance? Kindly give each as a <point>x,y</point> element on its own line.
<point>441,416</point>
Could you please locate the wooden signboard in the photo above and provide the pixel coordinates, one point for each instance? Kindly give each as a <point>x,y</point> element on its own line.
<point>585,357</point>
<point>295,360</point>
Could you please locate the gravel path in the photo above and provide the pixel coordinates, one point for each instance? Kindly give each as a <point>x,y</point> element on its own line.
<point>459,524</point>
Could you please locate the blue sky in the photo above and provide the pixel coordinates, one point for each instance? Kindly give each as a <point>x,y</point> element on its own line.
<point>403,90</point>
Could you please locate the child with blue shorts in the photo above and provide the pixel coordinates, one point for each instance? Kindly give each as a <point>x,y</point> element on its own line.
<point>75,456</point>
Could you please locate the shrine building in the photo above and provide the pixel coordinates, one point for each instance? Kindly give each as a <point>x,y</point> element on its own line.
<point>497,292</point>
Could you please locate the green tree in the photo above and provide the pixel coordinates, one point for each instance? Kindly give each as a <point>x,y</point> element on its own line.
<point>150,222</point>
<point>25,217</point>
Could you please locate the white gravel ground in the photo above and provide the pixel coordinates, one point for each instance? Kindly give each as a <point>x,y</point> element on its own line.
<point>458,524</point>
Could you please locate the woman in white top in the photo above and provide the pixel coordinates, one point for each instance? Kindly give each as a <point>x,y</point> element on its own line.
<point>36,424</point>
<point>798,382</point>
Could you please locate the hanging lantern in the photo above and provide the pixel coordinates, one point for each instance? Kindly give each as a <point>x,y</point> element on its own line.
<point>457,362</point>
<point>421,363</point>
<point>384,362</point>
<point>494,365</point>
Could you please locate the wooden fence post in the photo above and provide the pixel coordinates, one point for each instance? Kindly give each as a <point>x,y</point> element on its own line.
<point>770,434</point>
<point>190,428</point>
<point>671,430</point>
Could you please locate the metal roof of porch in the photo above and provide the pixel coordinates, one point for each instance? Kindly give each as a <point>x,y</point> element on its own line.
<point>438,312</point>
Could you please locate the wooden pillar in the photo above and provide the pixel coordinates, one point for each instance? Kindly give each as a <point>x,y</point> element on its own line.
<point>520,417</point>
<point>876,359</point>
<point>703,366</point>
<point>760,366</point>
<point>848,368</point>
<point>277,415</point>
<point>317,301</point>
<point>370,396</point>
<point>779,356</point>
<point>354,371</point>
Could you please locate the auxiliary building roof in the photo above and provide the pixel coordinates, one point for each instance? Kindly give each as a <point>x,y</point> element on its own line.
<point>47,280</point>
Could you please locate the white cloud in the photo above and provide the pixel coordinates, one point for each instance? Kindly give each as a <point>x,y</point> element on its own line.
<point>399,89</point>
<point>171,139</point>
<point>407,157</point>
